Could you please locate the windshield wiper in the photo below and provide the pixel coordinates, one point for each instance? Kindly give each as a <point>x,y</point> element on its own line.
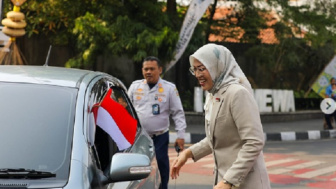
<point>24,173</point>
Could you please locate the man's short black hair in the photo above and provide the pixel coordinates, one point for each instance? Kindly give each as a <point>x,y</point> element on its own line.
<point>153,58</point>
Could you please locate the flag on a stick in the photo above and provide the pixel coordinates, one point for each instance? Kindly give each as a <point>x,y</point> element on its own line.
<point>194,14</point>
<point>114,119</point>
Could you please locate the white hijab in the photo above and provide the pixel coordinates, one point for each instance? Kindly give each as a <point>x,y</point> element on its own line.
<point>223,69</point>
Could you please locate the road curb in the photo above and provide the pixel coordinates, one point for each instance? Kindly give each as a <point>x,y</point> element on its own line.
<point>191,138</point>
<point>300,135</point>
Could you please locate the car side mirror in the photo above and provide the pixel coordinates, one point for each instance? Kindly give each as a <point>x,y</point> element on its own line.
<point>129,166</point>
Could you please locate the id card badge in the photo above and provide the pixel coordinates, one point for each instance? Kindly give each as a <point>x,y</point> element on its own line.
<point>156,109</point>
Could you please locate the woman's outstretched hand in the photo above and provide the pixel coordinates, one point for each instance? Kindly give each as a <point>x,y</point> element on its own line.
<point>179,162</point>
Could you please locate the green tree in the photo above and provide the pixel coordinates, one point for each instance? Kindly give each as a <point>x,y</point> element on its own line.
<point>305,39</point>
<point>91,28</point>
<point>149,27</point>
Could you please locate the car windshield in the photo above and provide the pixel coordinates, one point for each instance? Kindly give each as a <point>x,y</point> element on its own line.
<point>36,126</point>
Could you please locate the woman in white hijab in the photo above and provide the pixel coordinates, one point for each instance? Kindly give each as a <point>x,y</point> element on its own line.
<point>234,134</point>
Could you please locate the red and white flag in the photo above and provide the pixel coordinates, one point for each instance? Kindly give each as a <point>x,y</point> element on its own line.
<point>114,119</point>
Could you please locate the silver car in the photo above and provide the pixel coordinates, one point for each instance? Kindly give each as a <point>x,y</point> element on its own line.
<point>49,137</point>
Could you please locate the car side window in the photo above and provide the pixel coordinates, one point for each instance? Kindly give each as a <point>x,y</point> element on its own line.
<point>103,146</point>
<point>119,96</point>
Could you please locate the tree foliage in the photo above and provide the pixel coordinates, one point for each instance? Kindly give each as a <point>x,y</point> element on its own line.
<point>305,33</point>
<point>92,28</point>
<point>305,36</point>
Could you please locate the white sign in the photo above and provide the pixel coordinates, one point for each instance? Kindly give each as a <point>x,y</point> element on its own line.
<point>271,100</point>
<point>198,99</point>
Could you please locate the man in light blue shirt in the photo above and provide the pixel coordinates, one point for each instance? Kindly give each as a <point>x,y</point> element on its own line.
<point>155,100</point>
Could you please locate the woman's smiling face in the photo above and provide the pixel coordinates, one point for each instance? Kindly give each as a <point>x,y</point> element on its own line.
<point>202,75</point>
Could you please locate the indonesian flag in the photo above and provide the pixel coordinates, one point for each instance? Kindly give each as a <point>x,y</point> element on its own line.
<point>114,119</point>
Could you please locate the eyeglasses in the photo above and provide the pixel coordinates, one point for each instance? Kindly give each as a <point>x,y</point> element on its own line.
<point>333,84</point>
<point>194,70</point>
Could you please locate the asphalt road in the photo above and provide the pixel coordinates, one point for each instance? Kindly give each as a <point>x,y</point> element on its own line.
<point>309,164</point>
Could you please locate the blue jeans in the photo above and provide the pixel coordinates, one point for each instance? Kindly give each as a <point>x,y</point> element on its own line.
<point>161,150</point>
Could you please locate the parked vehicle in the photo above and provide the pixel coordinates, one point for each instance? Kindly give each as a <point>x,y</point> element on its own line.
<point>49,137</point>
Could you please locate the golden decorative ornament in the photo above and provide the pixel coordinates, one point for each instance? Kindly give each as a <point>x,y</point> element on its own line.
<point>13,32</point>
<point>15,16</point>
<point>14,24</point>
<point>18,2</point>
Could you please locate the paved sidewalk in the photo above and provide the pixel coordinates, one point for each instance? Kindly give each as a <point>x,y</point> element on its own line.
<point>309,129</point>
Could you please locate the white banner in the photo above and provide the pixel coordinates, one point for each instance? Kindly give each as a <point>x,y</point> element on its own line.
<point>194,14</point>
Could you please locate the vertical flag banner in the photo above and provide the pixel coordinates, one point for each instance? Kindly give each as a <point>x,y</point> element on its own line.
<point>194,14</point>
<point>323,80</point>
<point>114,119</point>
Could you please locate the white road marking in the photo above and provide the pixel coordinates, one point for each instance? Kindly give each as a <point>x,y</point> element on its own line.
<point>277,162</point>
<point>295,167</point>
<point>318,172</point>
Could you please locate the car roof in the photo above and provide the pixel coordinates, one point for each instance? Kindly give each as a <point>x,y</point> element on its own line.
<point>60,76</point>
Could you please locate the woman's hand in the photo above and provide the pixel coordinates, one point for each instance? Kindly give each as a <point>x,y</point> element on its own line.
<point>179,162</point>
<point>222,185</point>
